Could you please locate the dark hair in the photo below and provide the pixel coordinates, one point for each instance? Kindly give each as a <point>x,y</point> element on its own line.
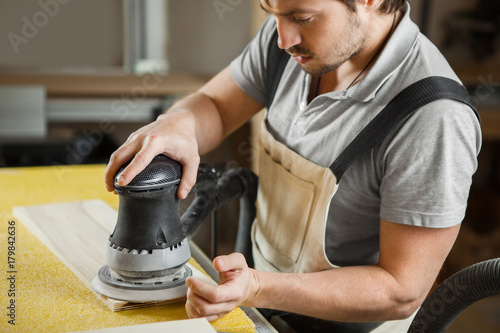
<point>387,6</point>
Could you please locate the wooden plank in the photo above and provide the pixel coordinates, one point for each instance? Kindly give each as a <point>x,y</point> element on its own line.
<point>77,233</point>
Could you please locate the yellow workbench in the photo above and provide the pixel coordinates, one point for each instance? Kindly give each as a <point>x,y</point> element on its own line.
<point>46,295</point>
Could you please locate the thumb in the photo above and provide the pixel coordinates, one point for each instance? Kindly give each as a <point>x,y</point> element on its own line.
<point>231,262</point>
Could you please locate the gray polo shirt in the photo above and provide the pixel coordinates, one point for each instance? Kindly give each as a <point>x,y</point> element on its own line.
<point>420,175</point>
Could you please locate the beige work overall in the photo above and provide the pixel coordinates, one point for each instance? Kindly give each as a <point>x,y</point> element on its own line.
<point>292,208</point>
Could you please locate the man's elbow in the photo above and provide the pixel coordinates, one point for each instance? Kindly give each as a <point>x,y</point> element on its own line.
<point>405,306</point>
<point>405,311</point>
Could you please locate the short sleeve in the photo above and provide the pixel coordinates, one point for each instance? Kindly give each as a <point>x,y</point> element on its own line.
<point>428,166</point>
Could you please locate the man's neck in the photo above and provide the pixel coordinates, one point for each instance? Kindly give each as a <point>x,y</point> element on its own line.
<point>347,73</point>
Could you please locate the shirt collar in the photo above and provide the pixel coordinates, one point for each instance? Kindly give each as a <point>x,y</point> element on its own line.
<point>390,59</point>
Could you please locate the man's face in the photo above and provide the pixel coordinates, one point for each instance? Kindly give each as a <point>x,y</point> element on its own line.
<point>320,34</point>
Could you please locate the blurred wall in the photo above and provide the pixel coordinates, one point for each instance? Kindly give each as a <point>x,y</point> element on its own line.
<point>206,35</point>
<point>60,34</point>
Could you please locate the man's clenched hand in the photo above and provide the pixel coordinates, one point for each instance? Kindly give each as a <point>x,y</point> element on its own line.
<point>238,286</point>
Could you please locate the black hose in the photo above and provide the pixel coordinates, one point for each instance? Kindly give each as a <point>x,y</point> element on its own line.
<point>232,184</point>
<point>456,294</point>
<point>247,215</point>
<point>240,183</point>
<point>196,213</point>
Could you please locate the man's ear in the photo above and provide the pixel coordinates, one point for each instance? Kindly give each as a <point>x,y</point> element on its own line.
<point>370,5</point>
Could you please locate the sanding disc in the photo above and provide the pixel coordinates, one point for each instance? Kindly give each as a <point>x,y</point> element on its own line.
<point>110,284</point>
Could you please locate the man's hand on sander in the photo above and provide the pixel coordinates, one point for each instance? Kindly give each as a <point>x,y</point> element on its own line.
<point>172,134</point>
<point>238,286</point>
<point>194,125</point>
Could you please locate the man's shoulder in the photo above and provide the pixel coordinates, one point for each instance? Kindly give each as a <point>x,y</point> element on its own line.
<point>424,61</point>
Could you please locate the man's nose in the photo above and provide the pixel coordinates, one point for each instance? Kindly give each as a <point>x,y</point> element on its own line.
<point>288,34</point>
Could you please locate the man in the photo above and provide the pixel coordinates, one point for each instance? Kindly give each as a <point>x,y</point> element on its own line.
<point>371,253</point>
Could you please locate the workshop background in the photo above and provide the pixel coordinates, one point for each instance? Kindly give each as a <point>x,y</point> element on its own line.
<point>76,78</point>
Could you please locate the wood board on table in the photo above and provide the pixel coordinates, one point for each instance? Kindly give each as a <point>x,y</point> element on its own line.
<point>77,233</point>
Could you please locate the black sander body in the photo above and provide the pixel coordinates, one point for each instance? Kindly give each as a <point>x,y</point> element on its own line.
<point>148,249</point>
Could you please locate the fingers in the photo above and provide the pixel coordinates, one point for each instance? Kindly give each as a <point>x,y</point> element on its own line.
<point>214,294</point>
<point>203,301</point>
<point>117,159</point>
<point>189,172</point>
<point>140,157</point>
<point>143,146</point>
<point>140,161</point>
<point>193,313</point>
<point>232,262</point>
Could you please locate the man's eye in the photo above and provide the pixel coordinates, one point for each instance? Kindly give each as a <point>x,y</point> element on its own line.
<point>301,19</point>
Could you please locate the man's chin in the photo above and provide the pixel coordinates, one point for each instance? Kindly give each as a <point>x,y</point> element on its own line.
<point>318,70</point>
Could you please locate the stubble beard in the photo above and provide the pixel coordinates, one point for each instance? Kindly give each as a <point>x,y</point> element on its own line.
<point>348,47</point>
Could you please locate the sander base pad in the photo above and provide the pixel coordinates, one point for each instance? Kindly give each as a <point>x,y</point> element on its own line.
<point>110,284</point>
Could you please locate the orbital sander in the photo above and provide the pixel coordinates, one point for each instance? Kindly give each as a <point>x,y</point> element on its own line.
<point>147,252</point>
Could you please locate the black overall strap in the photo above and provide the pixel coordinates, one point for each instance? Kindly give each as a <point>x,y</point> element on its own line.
<point>399,109</point>
<point>276,62</point>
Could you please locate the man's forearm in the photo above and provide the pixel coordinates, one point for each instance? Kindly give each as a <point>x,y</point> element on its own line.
<point>218,109</point>
<point>409,261</point>
<point>351,294</point>
<point>199,112</point>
